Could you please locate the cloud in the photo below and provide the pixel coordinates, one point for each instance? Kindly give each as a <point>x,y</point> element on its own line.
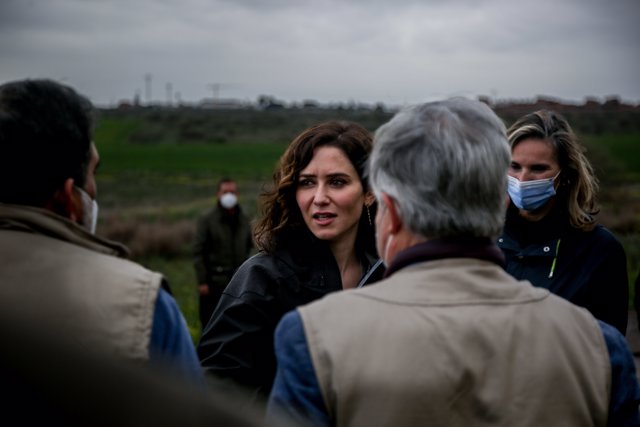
<point>367,50</point>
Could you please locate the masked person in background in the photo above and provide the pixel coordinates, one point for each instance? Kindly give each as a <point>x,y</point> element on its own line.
<point>551,236</point>
<point>222,242</point>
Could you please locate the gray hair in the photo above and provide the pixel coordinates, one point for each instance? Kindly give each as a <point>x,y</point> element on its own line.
<point>445,164</point>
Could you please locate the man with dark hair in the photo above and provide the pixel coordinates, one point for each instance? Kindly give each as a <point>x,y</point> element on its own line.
<point>222,242</point>
<point>49,126</point>
<point>54,271</point>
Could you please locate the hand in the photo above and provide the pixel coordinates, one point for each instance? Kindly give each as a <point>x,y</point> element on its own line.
<point>203,289</point>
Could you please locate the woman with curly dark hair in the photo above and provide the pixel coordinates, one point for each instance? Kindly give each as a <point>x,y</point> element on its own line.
<point>315,236</point>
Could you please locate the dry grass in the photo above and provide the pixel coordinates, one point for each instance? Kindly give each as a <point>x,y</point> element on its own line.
<point>620,208</point>
<point>144,238</point>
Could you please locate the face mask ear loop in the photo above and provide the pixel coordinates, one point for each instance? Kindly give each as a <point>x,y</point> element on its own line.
<point>553,264</point>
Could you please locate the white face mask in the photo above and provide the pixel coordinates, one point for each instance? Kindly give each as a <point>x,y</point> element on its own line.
<point>89,211</point>
<point>228,200</point>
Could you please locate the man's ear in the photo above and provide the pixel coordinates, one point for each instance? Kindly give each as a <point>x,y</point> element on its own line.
<point>66,202</point>
<point>395,222</point>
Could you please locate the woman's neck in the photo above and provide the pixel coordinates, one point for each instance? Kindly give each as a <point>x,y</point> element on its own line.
<point>551,226</point>
<point>348,263</point>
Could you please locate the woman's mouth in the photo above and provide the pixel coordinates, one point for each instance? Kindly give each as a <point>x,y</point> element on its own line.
<point>323,218</point>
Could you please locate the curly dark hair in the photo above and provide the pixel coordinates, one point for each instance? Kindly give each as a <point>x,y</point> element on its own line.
<point>281,220</point>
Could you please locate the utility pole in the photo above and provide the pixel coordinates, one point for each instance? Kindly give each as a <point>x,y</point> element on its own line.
<point>147,85</point>
<point>169,88</point>
<point>215,89</point>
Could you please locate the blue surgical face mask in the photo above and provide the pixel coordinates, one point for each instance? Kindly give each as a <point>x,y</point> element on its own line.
<point>530,195</point>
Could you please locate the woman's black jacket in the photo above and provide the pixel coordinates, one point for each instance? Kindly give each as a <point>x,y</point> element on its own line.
<point>237,343</point>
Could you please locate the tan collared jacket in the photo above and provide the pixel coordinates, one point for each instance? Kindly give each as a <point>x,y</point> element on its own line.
<point>457,342</point>
<point>55,273</point>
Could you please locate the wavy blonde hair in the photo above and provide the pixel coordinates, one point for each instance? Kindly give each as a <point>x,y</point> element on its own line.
<point>578,188</point>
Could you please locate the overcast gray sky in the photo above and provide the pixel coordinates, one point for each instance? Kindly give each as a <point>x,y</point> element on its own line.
<point>396,52</point>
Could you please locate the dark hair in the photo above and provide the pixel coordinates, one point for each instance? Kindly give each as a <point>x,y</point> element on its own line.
<point>45,137</point>
<point>281,219</point>
<point>224,180</point>
<point>578,185</point>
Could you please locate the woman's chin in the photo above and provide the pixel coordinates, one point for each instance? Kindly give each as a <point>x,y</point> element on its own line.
<point>537,214</point>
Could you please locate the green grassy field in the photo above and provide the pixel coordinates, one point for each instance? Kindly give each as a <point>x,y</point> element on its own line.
<point>247,161</point>
<point>615,157</point>
<point>150,193</point>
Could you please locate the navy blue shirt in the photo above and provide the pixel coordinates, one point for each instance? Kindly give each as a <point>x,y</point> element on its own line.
<point>588,268</point>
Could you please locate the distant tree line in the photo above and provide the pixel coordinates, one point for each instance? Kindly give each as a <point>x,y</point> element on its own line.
<point>272,122</point>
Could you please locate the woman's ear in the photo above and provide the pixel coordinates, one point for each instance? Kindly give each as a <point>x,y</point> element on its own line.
<point>369,198</point>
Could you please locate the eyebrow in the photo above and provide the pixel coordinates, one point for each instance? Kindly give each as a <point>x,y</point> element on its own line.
<point>543,164</point>
<point>330,175</point>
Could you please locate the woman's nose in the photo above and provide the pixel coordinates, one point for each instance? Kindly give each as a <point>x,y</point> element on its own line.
<point>320,197</point>
<point>521,175</point>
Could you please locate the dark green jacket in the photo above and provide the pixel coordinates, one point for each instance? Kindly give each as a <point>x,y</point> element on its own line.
<point>222,243</point>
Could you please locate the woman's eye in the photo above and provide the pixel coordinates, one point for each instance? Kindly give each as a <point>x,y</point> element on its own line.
<point>539,168</point>
<point>305,182</point>
<point>515,167</point>
<point>337,182</point>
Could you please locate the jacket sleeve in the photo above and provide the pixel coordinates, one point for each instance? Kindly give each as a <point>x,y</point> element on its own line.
<point>296,394</point>
<point>237,344</point>
<point>625,390</point>
<point>200,248</point>
<point>170,343</point>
